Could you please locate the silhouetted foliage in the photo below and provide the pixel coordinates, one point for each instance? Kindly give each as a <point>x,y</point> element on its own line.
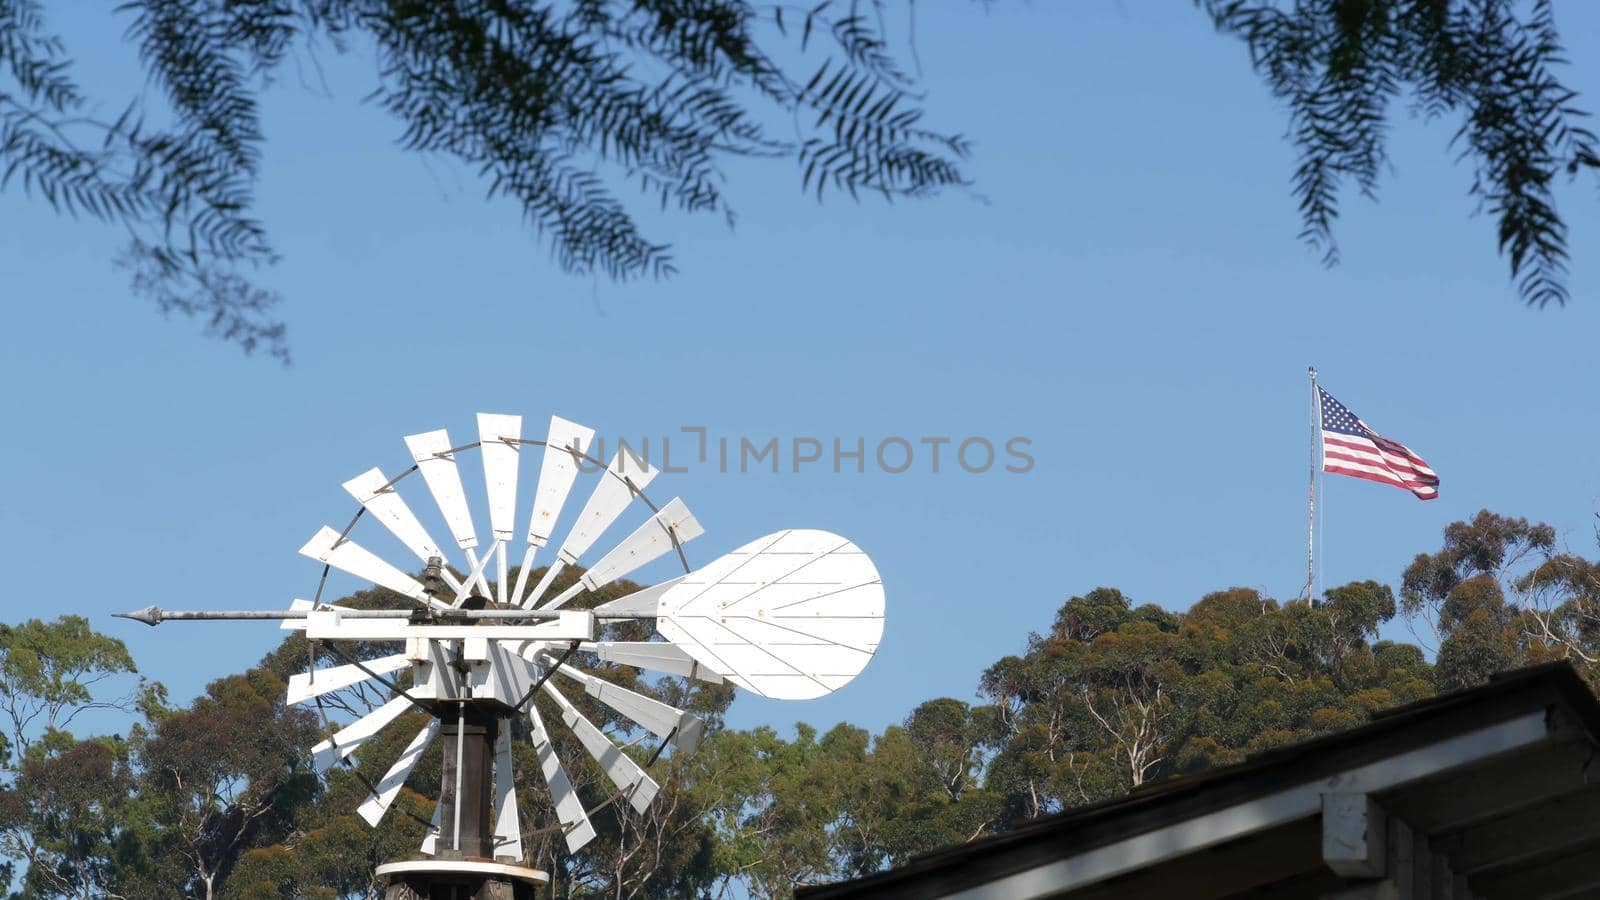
<point>566,108</point>
<point>555,105</point>
<point>1338,65</point>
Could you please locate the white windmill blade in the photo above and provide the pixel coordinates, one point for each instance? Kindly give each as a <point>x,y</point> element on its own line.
<point>430,840</point>
<point>431,450</point>
<point>642,603</point>
<point>317,682</point>
<point>611,496</point>
<point>672,526</point>
<point>498,436</point>
<point>627,775</point>
<point>373,491</point>
<point>564,444</point>
<point>792,616</point>
<point>379,801</point>
<point>663,720</point>
<point>569,809</point>
<point>654,656</point>
<point>330,751</point>
<point>348,556</point>
<point>507,823</point>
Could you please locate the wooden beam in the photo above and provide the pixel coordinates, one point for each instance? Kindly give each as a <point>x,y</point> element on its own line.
<point>1226,870</point>
<point>1583,893</point>
<point>1555,824</point>
<point>1412,870</point>
<point>1408,867</point>
<point>1402,856</point>
<point>1492,789</point>
<point>1421,866</point>
<point>1572,871</point>
<point>1308,884</point>
<point>1444,878</point>
<point>1376,890</point>
<point>1353,835</point>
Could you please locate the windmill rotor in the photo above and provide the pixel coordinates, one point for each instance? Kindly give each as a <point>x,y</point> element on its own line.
<point>792,615</point>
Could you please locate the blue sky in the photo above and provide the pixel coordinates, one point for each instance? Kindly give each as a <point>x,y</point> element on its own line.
<point>1123,287</point>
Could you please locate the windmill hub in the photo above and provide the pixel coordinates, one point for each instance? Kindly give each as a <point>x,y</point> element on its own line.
<point>793,615</point>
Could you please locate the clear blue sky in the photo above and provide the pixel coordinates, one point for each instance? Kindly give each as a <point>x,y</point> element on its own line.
<point>1123,287</point>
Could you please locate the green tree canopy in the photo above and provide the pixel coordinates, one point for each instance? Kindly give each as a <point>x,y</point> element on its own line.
<point>216,799</point>
<point>49,672</point>
<point>1501,593</point>
<point>1117,695</point>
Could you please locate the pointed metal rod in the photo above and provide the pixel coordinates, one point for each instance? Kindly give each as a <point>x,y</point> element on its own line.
<point>155,615</point>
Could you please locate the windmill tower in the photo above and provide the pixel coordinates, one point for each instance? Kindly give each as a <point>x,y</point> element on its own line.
<point>791,615</point>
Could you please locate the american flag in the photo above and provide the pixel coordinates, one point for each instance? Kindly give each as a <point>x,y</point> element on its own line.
<point>1349,447</point>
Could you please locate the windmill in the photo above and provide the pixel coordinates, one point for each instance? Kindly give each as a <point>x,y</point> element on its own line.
<point>791,615</point>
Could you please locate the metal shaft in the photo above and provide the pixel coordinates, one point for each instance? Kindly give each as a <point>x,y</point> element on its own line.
<point>155,615</point>
<point>461,743</point>
<point>1311,497</point>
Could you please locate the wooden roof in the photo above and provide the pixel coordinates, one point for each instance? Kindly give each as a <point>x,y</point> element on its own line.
<point>1491,792</point>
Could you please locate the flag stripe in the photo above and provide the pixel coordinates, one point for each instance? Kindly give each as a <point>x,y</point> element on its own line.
<point>1376,442</point>
<point>1398,451</point>
<point>1387,448</point>
<point>1344,452</point>
<point>1350,447</point>
<point>1346,467</point>
<point>1423,492</point>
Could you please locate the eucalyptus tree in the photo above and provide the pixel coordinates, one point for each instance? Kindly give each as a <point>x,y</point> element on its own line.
<point>66,811</point>
<point>53,672</point>
<point>1504,592</point>
<point>1115,696</point>
<point>220,777</point>
<point>65,814</point>
<point>818,807</point>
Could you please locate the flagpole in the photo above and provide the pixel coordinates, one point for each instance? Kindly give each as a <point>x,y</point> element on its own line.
<point>1311,497</point>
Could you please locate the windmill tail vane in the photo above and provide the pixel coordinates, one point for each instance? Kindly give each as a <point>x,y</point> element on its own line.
<point>795,615</point>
